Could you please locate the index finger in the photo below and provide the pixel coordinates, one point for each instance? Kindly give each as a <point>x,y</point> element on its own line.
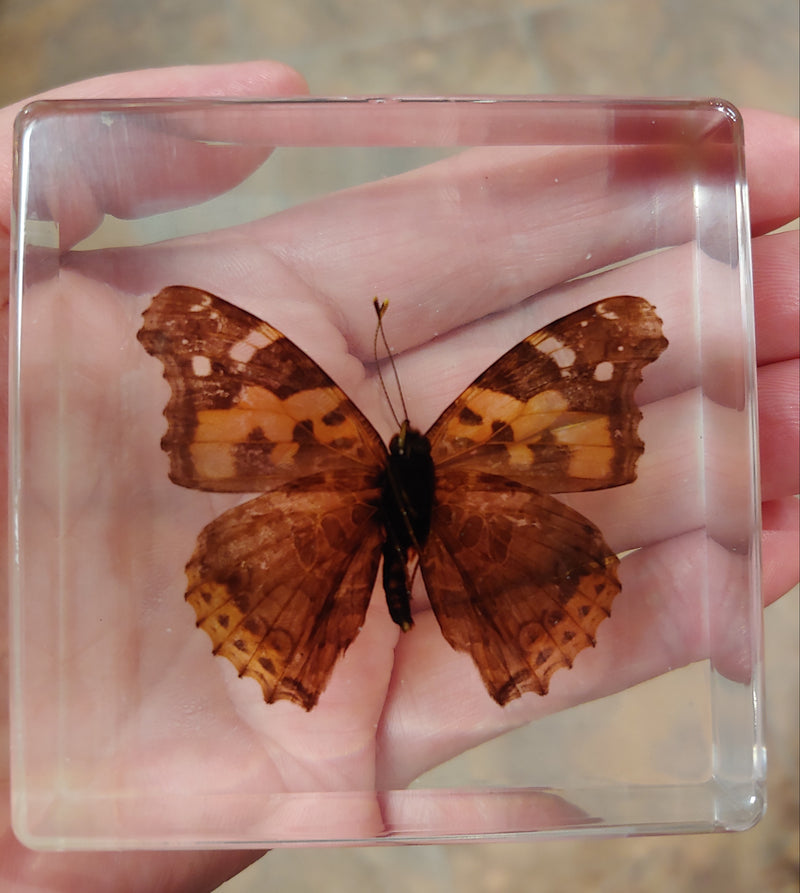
<point>117,192</point>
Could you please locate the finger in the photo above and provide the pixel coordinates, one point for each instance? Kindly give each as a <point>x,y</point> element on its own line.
<point>465,236</point>
<point>27,869</point>
<point>468,812</point>
<point>103,172</point>
<point>129,171</point>
<point>435,291</point>
<point>775,285</point>
<point>771,146</point>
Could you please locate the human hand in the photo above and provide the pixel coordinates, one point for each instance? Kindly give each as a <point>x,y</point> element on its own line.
<point>156,872</point>
<point>389,741</point>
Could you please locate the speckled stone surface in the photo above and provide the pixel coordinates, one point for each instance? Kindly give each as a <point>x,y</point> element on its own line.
<point>745,51</point>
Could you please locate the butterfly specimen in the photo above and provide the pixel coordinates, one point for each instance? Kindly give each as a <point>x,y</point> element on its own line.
<point>517,580</point>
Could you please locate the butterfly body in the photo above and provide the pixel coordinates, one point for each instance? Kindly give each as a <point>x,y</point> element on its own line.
<point>516,579</point>
<point>408,485</point>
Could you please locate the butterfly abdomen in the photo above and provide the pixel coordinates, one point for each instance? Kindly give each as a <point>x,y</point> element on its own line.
<point>406,506</point>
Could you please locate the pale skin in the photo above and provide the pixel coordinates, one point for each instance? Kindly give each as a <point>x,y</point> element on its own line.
<point>395,732</point>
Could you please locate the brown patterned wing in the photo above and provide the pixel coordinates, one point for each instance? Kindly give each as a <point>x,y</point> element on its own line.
<point>517,580</point>
<point>281,585</point>
<point>557,411</point>
<point>249,410</point>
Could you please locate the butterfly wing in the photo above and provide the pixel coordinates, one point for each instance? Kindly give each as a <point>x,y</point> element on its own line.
<point>249,410</point>
<point>280,583</point>
<point>517,579</point>
<point>557,411</point>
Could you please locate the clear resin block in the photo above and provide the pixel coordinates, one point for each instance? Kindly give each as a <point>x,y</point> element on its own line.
<point>556,490</point>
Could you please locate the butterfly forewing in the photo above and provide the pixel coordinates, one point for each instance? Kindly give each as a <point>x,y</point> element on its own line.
<point>557,411</point>
<point>249,410</point>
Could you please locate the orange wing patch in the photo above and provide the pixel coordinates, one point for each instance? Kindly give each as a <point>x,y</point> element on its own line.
<point>557,411</point>
<point>517,580</point>
<point>249,410</point>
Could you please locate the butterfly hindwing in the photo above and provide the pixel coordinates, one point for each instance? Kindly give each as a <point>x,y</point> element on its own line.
<point>557,411</point>
<point>517,580</point>
<point>249,410</point>
<point>281,585</point>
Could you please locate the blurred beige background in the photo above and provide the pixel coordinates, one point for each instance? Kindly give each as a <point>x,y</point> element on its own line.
<point>742,50</point>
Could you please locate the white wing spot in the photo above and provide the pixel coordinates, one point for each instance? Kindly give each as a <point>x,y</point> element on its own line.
<point>603,311</point>
<point>242,351</point>
<point>205,301</point>
<point>201,366</point>
<point>562,355</point>
<point>603,371</point>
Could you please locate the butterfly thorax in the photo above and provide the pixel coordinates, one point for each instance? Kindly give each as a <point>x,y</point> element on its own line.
<point>406,504</point>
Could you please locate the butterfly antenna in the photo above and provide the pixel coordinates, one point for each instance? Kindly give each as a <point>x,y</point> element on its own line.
<point>380,309</point>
